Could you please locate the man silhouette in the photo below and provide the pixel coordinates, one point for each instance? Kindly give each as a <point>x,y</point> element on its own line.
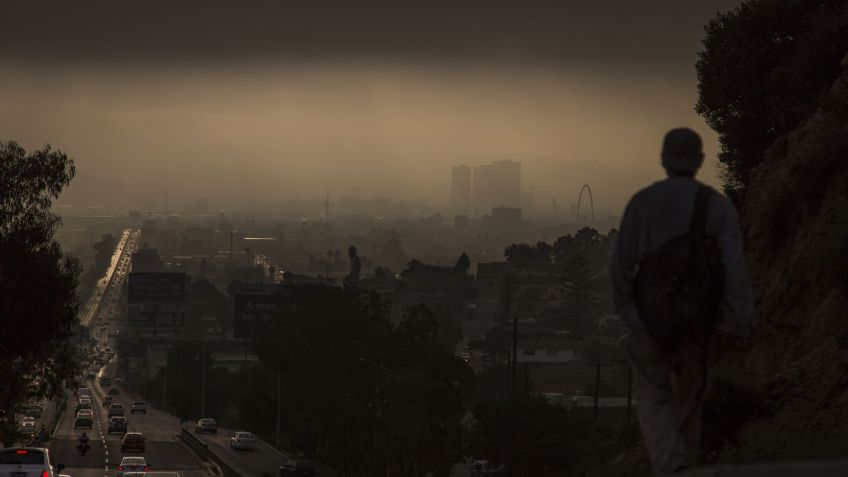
<point>670,378</point>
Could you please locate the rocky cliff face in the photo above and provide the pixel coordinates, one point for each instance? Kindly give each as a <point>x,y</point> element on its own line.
<point>795,219</point>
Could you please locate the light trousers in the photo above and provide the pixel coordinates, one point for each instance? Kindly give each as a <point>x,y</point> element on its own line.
<point>669,391</point>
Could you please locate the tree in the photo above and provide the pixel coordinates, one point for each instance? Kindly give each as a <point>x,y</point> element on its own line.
<point>527,435</point>
<point>38,301</point>
<point>760,73</point>
<point>522,254</point>
<point>581,300</point>
<point>362,391</point>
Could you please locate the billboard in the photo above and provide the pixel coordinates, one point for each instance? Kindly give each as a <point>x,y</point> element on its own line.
<point>253,305</point>
<point>149,287</point>
<point>156,300</point>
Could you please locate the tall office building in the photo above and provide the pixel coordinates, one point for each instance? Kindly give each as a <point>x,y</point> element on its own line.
<point>497,185</point>
<point>461,189</point>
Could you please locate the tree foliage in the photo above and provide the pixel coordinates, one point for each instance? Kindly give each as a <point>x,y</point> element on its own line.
<point>38,301</point>
<point>528,435</point>
<point>760,74</point>
<point>361,393</point>
<point>522,254</point>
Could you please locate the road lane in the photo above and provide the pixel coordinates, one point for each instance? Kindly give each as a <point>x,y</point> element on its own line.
<point>163,451</point>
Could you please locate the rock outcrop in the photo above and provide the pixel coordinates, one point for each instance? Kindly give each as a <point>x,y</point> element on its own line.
<point>795,220</point>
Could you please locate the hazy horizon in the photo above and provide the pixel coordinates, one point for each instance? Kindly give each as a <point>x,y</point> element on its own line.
<point>382,114</point>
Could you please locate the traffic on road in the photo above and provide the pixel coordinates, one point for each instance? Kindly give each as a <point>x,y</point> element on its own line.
<point>106,432</point>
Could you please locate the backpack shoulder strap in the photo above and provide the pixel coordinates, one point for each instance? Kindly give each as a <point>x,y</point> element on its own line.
<point>697,228</point>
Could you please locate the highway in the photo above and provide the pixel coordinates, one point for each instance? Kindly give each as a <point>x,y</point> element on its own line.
<point>164,450</point>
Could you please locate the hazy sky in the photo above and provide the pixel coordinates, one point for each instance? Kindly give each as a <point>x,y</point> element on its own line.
<point>269,100</point>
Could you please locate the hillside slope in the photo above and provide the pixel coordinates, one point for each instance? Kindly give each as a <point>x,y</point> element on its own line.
<point>795,221</point>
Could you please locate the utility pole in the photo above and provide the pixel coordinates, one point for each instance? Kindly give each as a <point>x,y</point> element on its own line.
<point>165,384</point>
<point>514,370</point>
<point>202,382</point>
<point>277,439</point>
<point>597,386</point>
<point>526,378</point>
<point>506,310</point>
<point>230,261</point>
<point>629,392</point>
<point>144,380</point>
<point>514,367</point>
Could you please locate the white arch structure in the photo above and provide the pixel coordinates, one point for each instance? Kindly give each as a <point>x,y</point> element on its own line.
<point>591,203</point>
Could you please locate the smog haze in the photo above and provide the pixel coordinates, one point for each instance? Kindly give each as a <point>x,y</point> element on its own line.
<point>269,102</point>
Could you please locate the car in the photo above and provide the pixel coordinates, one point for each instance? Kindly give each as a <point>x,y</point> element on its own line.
<point>113,391</point>
<point>132,464</point>
<point>138,407</point>
<point>206,425</point>
<point>82,406</point>
<point>83,422</point>
<point>84,392</point>
<point>132,441</point>
<point>27,427</point>
<point>91,376</point>
<point>85,413</point>
<point>34,461</point>
<point>243,440</point>
<point>297,468</point>
<point>107,401</point>
<point>116,410</point>
<point>117,425</point>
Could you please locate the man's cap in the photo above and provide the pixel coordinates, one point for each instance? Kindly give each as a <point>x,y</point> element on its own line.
<point>682,150</point>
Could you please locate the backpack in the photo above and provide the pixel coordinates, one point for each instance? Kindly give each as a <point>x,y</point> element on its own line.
<point>678,287</point>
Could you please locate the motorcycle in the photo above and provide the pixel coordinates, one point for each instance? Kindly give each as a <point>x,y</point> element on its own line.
<point>83,447</point>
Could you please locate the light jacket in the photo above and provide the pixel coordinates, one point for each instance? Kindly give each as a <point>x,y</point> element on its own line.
<point>663,211</point>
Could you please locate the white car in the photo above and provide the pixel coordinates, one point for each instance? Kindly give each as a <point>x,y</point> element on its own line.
<point>85,413</point>
<point>33,461</point>
<point>28,425</point>
<point>243,440</point>
<point>132,464</point>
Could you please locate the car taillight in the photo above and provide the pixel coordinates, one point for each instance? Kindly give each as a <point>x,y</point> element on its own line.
<point>145,468</point>
<point>45,474</point>
<point>21,452</point>
<point>120,467</point>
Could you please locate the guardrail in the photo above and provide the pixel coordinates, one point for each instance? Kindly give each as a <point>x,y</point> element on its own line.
<point>196,444</point>
<point>202,449</point>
